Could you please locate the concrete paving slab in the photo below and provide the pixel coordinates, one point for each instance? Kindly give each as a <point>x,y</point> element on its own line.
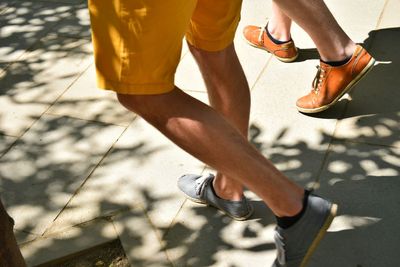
<point>4,6</point>
<point>3,67</point>
<point>294,142</point>
<point>140,240</point>
<point>364,180</point>
<point>61,1</point>
<point>253,60</point>
<point>77,24</point>
<point>143,168</point>
<point>29,87</point>
<point>23,23</point>
<point>24,237</point>
<point>374,113</point>
<point>70,241</point>
<point>203,236</point>
<point>85,101</point>
<point>5,143</point>
<point>358,17</point>
<point>48,164</point>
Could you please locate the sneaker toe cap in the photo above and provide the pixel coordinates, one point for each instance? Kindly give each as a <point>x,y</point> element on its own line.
<point>187,182</point>
<point>251,33</point>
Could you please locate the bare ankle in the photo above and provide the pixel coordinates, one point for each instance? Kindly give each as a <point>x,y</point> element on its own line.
<point>345,51</point>
<point>278,33</point>
<point>226,190</point>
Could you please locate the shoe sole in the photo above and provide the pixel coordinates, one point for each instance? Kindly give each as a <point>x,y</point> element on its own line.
<point>320,235</point>
<point>285,60</point>
<point>243,218</point>
<point>350,86</point>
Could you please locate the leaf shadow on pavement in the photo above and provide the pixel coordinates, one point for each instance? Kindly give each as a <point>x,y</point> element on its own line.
<point>52,161</point>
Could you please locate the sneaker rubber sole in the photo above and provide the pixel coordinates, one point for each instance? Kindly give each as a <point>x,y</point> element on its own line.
<point>243,218</point>
<point>286,60</point>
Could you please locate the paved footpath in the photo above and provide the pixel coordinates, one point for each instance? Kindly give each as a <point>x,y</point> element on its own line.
<point>78,170</point>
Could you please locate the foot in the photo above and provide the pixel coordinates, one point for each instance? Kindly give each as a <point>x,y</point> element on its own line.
<point>258,37</point>
<point>296,244</point>
<point>199,189</point>
<point>331,83</point>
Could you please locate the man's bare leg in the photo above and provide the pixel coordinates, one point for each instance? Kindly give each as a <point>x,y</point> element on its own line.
<point>279,24</point>
<point>10,255</point>
<point>205,134</point>
<point>230,97</point>
<point>314,17</point>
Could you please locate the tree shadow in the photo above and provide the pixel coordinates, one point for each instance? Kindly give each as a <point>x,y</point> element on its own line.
<point>60,156</point>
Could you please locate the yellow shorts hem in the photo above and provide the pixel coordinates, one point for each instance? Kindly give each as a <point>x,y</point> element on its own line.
<point>135,89</point>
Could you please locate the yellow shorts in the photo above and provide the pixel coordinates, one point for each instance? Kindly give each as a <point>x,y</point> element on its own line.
<point>137,43</point>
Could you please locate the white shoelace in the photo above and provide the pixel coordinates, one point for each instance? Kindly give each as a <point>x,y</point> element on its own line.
<point>319,78</point>
<point>201,184</point>
<point>261,35</point>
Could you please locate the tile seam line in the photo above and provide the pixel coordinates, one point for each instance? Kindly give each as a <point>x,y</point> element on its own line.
<point>333,138</point>
<point>180,208</point>
<point>174,219</point>
<point>68,87</point>
<point>104,219</point>
<point>86,179</point>
<point>261,73</point>
<point>381,15</point>
<point>56,234</point>
<point>43,113</point>
<point>143,210</point>
<point>88,120</point>
<point>159,238</point>
<point>344,140</point>
<point>323,163</point>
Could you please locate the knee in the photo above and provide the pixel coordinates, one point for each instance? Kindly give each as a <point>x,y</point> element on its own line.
<point>128,101</point>
<point>146,106</point>
<point>203,56</point>
<point>142,105</point>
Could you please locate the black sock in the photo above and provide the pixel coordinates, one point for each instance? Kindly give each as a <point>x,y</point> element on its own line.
<point>286,222</point>
<point>273,39</point>
<point>337,63</point>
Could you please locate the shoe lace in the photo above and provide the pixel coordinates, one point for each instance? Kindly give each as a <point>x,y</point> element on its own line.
<point>201,184</point>
<point>318,79</point>
<point>261,35</point>
<point>280,247</point>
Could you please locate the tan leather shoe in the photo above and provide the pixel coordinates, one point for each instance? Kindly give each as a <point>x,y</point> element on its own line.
<point>257,37</point>
<point>331,83</point>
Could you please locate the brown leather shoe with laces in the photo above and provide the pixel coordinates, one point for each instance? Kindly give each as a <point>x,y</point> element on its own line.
<point>331,83</point>
<point>257,37</point>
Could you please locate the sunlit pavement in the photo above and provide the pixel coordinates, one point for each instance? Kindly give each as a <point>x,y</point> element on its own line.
<point>77,170</point>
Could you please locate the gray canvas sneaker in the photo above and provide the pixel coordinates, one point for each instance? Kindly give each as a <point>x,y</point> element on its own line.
<point>296,244</point>
<point>199,189</point>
